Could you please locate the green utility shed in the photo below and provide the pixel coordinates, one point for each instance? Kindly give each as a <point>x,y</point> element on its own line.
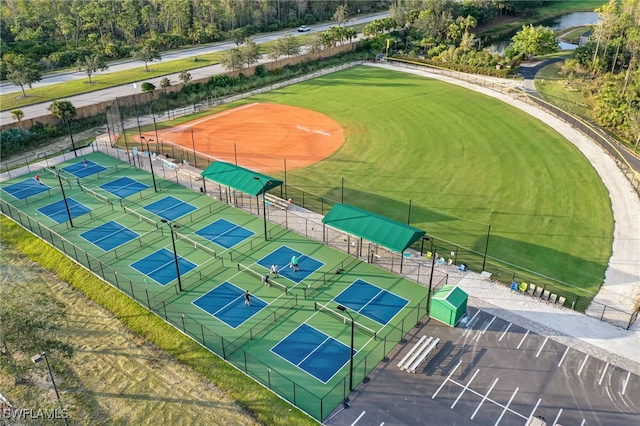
<point>448,305</point>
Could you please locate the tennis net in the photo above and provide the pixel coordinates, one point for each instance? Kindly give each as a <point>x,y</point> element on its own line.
<point>55,172</point>
<point>255,274</point>
<point>140,217</point>
<point>345,319</point>
<point>94,194</point>
<point>197,245</point>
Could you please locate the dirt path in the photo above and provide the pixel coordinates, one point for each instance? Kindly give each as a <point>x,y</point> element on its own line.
<point>114,376</point>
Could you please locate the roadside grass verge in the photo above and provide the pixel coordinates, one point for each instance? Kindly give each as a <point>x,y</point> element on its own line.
<point>255,399</point>
<point>572,96</point>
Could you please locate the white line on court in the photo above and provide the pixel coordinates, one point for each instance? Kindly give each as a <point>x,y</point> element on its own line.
<point>535,408</point>
<point>603,372</point>
<point>506,407</point>
<point>583,422</point>
<point>542,346</point>
<point>488,325</point>
<point>358,419</point>
<point>464,388</point>
<point>555,422</point>
<point>564,355</point>
<point>583,363</point>
<point>626,381</point>
<point>505,332</point>
<point>447,379</point>
<point>472,318</point>
<point>484,398</point>
<point>523,337</point>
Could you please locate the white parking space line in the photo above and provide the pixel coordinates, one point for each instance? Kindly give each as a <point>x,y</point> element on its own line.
<point>447,379</point>
<point>506,407</point>
<point>523,337</point>
<point>608,393</point>
<point>464,388</point>
<point>505,332</point>
<point>542,346</point>
<point>472,318</point>
<point>358,419</point>
<point>535,408</point>
<point>488,325</point>
<point>583,422</point>
<point>626,381</point>
<point>490,400</point>
<point>564,355</point>
<point>484,398</point>
<point>603,372</point>
<point>555,422</point>
<point>583,363</point>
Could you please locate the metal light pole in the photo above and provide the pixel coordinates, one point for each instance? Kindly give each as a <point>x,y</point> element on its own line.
<point>264,204</point>
<point>36,359</point>
<point>64,197</point>
<point>433,266</point>
<point>175,253</point>
<point>344,309</point>
<point>153,176</point>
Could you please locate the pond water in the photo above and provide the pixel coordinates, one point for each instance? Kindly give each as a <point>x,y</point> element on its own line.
<point>575,19</point>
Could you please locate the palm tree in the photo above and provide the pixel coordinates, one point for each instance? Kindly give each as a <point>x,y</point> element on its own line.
<point>18,115</point>
<point>65,111</point>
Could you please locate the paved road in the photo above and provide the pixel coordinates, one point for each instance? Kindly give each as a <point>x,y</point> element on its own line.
<point>66,76</point>
<point>39,110</point>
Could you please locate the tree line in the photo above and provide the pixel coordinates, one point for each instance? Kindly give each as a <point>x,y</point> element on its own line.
<point>59,33</point>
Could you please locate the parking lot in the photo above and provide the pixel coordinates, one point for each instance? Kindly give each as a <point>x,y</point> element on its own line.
<point>488,371</point>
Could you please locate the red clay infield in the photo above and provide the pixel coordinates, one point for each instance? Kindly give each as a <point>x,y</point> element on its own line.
<point>261,136</point>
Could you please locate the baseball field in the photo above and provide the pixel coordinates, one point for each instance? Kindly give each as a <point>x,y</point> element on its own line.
<point>443,158</point>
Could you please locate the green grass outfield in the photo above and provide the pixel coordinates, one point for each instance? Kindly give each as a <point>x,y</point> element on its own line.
<point>457,153</point>
<point>248,345</point>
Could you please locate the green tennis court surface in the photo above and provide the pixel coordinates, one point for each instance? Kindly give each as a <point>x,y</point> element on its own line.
<point>24,189</point>
<point>83,169</point>
<point>290,337</point>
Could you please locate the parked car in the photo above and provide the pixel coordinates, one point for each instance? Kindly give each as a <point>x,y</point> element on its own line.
<point>303,29</point>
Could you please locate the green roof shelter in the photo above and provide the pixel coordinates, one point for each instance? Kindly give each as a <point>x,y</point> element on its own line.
<point>378,229</point>
<point>239,178</point>
<point>448,305</point>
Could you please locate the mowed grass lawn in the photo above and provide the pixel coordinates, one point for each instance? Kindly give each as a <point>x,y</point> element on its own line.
<point>464,154</point>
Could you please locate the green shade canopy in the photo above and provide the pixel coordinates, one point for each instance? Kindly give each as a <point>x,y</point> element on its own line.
<point>372,227</point>
<point>239,178</point>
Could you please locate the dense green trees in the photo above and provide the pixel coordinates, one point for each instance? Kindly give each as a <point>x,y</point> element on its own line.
<point>610,64</point>
<point>57,33</point>
<point>531,41</point>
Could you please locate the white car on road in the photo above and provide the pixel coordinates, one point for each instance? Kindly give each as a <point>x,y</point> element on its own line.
<point>303,29</point>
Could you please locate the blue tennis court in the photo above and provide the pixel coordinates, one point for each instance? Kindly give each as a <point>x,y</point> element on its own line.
<point>316,353</point>
<point>170,208</point>
<point>282,258</point>
<point>58,211</point>
<point>109,235</point>
<point>26,188</point>
<point>227,303</point>
<point>161,266</point>
<point>124,187</point>
<point>371,301</point>
<point>82,169</point>
<point>224,233</point>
